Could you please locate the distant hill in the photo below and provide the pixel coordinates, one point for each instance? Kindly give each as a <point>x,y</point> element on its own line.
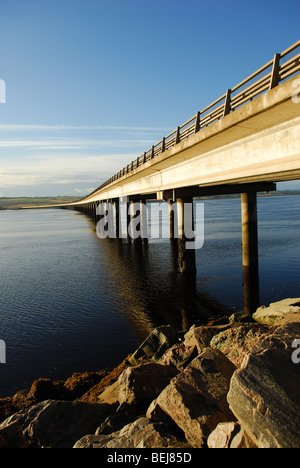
<point>24,202</point>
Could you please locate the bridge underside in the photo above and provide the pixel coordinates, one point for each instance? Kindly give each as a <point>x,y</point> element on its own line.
<point>259,142</point>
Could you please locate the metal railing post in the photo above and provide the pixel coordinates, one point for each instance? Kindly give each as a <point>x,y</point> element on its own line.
<point>227,106</point>
<point>275,72</point>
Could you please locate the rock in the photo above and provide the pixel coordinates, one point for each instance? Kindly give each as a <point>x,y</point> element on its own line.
<point>241,316</point>
<point>238,340</point>
<point>179,356</point>
<point>92,395</point>
<point>155,345</point>
<point>202,336</point>
<point>155,413</point>
<point>11,436</point>
<point>111,394</point>
<point>276,312</point>
<point>140,434</point>
<point>229,435</point>
<point>264,392</point>
<point>58,424</point>
<point>143,383</point>
<point>125,414</point>
<point>196,398</point>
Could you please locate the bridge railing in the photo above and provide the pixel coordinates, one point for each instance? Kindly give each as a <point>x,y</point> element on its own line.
<point>277,70</point>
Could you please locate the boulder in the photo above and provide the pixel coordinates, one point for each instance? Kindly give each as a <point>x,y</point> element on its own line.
<point>110,395</point>
<point>11,436</point>
<point>143,383</point>
<point>142,433</point>
<point>229,435</point>
<point>238,340</point>
<point>179,356</point>
<point>155,345</point>
<point>202,336</point>
<point>58,424</point>
<point>125,414</point>
<point>196,398</point>
<point>264,392</point>
<point>277,311</point>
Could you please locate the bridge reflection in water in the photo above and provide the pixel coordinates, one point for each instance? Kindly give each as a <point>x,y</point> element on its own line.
<point>145,274</point>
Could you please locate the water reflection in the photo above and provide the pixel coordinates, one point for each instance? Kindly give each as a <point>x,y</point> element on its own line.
<point>150,286</point>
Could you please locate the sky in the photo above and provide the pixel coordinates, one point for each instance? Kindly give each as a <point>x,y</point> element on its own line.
<point>92,84</point>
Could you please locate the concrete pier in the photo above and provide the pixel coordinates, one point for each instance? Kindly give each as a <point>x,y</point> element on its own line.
<point>250,252</point>
<point>186,256</point>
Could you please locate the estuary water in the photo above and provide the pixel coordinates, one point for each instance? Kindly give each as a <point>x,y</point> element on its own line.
<point>71,302</point>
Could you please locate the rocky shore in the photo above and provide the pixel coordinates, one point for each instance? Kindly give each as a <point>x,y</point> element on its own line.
<point>230,384</point>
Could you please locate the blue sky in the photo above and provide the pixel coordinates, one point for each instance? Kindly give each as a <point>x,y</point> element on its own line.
<point>92,84</point>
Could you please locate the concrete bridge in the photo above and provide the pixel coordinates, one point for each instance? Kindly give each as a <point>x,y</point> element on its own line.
<point>244,142</point>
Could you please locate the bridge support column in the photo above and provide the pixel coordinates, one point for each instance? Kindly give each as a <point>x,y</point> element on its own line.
<point>138,229</point>
<point>250,252</point>
<point>172,219</point>
<point>186,257</point>
<point>118,227</point>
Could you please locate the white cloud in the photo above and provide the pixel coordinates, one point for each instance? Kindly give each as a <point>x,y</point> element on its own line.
<point>59,169</point>
<point>69,143</point>
<point>35,127</point>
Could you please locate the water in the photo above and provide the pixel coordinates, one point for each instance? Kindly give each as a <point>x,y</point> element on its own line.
<point>71,302</point>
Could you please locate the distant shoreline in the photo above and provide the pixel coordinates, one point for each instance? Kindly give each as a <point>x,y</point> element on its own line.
<point>19,203</point>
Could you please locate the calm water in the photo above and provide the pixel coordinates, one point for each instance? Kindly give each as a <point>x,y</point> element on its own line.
<point>71,302</point>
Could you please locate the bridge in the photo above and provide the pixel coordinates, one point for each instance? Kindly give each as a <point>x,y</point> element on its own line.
<point>244,142</point>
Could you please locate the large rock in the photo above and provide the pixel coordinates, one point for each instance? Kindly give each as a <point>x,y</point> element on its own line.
<point>142,433</point>
<point>143,383</point>
<point>238,340</point>
<point>229,435</point>
<point>264,392</point>
<point>179,356</point>
<point>277,311</point>
<point>11,436</point>
<point>200,337</point>
<point>155,344</point>
<point>196,399</point>
<point>58,424</point>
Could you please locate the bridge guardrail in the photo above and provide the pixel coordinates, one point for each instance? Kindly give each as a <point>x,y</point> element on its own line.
<point>262,80</point>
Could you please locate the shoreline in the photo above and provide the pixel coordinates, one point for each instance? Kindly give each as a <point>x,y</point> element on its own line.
<point>126,391</point>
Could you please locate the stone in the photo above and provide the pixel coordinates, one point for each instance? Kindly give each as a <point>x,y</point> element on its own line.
<point>196,398</point>
<point>11,436</point>
<point>264,391</point>
<point>124,415</point>
<point>157,414</point>
<point>110,395</point>
<point>155,345</point>
<point>58,424</point>
<point>142,433</point>
<point>229,435</point>
<point>179,356</point>
<point>202,336</point>
<point>238,340</point>
<point>276,311</point>
<point>143,383</point>
<point>241,316</point>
